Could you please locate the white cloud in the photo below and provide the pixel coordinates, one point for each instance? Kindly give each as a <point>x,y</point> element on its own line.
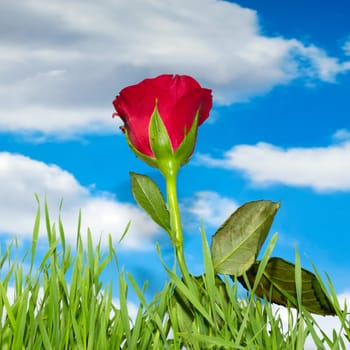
<point>341,135</point>
<point>346,47</point>
<point>22,177</point>
<point>320,168</point>
<point>317,64</point>
<point>210,208</point>
<point>57,122</point>
<point>62,62</point>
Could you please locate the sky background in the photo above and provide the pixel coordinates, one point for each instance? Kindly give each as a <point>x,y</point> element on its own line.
<point>279,128</point>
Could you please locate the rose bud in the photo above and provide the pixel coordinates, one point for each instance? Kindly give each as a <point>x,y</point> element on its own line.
<point>161,116</point>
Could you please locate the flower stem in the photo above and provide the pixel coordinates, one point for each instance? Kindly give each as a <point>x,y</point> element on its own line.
<point>175,221</point>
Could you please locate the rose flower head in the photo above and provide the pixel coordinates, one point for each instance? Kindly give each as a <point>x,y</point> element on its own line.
<point>160,113</point>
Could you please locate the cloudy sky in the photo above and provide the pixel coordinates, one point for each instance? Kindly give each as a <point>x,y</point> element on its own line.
<point>279,129</point>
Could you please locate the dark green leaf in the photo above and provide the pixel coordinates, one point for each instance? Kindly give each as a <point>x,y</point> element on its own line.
<point>149,197</point>
<point>237,242</point>
<point>278,285</point>
<point>184,308</point>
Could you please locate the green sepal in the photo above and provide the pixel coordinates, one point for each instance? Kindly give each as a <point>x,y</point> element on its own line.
<point>148,160</point>
<point>158,137</point>
<point>237,242</point>
<point>148,196</point>
<point>161,145</point>
<point>185,150</point>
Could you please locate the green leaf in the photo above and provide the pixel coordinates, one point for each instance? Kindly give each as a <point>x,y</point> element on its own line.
<point>278,285</point>
<point>35,236</point>
<point>149,197</point>
<point>237,242</point>
<point>185,300</point>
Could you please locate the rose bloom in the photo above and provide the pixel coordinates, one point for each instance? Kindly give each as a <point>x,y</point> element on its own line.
<point>178,98</point>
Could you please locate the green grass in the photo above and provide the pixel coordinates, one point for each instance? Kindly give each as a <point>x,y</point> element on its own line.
<point>62,303</point>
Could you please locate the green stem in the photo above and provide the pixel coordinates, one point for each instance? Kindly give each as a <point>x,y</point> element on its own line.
<point>175,221</point>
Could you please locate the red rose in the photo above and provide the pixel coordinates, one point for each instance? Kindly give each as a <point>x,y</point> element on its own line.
<point>178,99</point>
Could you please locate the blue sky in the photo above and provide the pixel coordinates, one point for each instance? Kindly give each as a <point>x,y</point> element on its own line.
<point>279,129</point>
